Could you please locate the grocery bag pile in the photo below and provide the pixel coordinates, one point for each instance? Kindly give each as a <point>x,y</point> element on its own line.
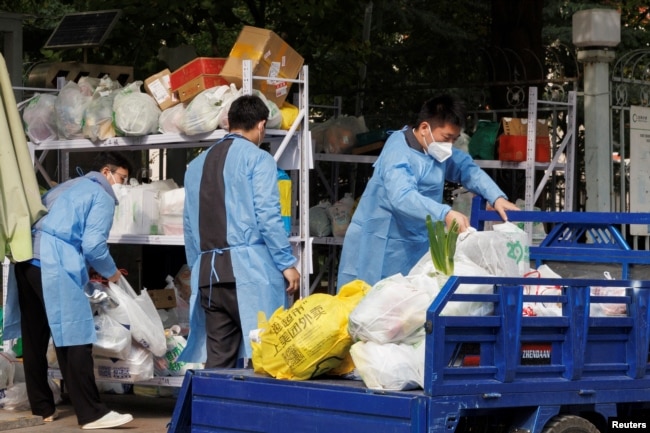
<point>388,324</point>
<point>132,344</point>
<point>100,109</point>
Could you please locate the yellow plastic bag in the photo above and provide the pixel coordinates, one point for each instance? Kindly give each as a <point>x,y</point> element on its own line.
<point>284,187</point>
<point>289,113</point>
<point>308,339</point>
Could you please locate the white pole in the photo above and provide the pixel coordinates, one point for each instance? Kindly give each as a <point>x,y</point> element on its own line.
<point>598,148</point>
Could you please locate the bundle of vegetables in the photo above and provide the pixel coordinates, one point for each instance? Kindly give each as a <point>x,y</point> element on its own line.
<point>442,245</point>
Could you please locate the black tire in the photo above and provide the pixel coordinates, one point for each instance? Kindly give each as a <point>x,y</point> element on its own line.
<point>569,424</point>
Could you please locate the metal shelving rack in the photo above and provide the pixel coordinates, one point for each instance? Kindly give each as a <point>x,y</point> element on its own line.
<point>292,152</point>
<point>566,147</point>
<point>531,167</point>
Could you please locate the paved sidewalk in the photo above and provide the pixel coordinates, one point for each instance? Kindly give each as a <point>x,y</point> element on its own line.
<point>151,415</point>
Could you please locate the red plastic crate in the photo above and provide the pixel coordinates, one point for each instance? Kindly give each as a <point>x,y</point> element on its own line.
<point>513,148</point>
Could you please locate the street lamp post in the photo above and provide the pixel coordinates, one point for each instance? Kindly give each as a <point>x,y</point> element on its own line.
<point>595,33</point>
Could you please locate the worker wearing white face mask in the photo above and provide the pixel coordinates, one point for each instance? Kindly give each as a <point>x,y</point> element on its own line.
<point>388,234</point>
<point>49,297</point>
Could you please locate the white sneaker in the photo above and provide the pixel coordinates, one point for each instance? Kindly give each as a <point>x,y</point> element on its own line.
<point>111,419</point>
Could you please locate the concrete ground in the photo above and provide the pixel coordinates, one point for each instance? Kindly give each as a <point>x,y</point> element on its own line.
<point>151,415</point>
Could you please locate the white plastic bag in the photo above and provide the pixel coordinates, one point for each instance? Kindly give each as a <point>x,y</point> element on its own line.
<point>319,221</point>
<point>145,324</point>
<point>113,339</point>
<point>136,367</point>
<point>39,118</point>
<point>139,209</point>
<point>392,311</point>
<point>69,108</point>
<point>462,267</point>
<point>542,308</point>
<point>502,252</point>
<point>340,214</point>
<point>600,309</point>
<point>167,365</point>
<point>389,366</point>
<point>171,119</point>
<point>206,109</point>
<point>136,113</point>
<point>7,369</point>
<point>15,397</point>
<point>98,117</point>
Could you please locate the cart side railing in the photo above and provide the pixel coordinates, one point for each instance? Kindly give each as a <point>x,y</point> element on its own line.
<point>593,237</point>
<point>507,352</point>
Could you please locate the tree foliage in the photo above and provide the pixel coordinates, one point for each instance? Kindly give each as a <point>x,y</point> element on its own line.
<point>383,57</point>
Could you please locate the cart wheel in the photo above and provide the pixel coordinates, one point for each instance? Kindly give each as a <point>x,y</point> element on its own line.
<point>569,424</point>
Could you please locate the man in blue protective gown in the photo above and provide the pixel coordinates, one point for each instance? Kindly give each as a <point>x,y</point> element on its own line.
<point>67,241</point>
<point>388,234</point>
<point>235,240</point>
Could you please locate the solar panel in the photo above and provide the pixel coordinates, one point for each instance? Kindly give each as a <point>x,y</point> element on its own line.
<point>84,29</point>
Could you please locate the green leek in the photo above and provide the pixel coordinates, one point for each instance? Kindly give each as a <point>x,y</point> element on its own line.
<point>442,245</point>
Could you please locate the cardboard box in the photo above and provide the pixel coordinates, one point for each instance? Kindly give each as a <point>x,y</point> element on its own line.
<point>158,86</point>
<point>271,57</point>
<point>515,126</point>
<point>163,298</point>
<point>195,68</point>
<point>196,85</point>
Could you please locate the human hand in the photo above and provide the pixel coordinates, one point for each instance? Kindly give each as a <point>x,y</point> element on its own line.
<point>501,205</point>
<point>115,277</point>
<point>293,278</point>
<point>461,220</point>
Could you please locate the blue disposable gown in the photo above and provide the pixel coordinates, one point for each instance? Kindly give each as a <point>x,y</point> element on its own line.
<point>259,245</point>
<point>68,240</point>
<point>388,234</point>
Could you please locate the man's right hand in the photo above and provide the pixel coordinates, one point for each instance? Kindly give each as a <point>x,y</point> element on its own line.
<point>461,220</point>
<point>293,278</point>
<point>115,277</point>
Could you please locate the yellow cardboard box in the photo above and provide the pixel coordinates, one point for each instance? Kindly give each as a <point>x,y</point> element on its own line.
<point>271,57</point>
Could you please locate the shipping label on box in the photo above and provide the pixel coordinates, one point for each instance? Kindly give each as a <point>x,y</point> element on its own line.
<point>163,298</point>
<point>270,56</point>
<point>195,68</point>
<point>159,87</point>
<point>195,86</point>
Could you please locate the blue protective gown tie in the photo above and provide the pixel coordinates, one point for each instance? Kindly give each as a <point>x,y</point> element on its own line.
<point>213,270</point>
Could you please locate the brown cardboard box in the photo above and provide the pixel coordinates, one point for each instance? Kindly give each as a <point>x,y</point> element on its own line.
<point>159,88</point>
<point>196,85</point>
<point>163,298</point>
<point>515,126</point>
<point>195,68</point>
<point>271,57</point>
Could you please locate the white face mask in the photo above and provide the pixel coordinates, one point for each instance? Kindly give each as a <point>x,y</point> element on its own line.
<point>439,150</point>
<point>119,190</point>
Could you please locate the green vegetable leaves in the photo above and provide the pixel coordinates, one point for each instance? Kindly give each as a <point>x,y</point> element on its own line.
<point>442,244</point>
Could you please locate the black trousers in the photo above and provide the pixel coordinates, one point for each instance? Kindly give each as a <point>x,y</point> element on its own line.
<point>75,362</point>
<point>223,325</point>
